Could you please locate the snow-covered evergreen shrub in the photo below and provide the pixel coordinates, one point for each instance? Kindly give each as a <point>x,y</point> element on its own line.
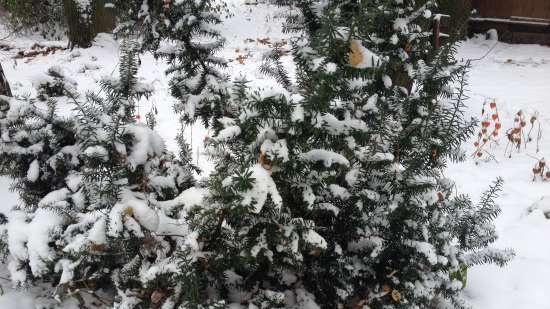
<point>44,17</point>
<point>375,62</point>
<point>334,195</point>
<point>252,243</point>
<point>330,195</point>
<point>54,83</point>
<point>38,151</point>
<point>104,203</point>
<point>37,148</point>
<point>183,33</point>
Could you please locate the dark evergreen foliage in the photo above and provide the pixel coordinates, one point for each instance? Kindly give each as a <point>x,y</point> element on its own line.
<point>101,195</point>
<point>183,34</point>
<point>329,193</point>
<point>334,193</point>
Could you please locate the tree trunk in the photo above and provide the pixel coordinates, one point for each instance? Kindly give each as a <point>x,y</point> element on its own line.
<point>103,19</point>
<point>78,26</point>
<point>4,85</point>
<point>84,26</point>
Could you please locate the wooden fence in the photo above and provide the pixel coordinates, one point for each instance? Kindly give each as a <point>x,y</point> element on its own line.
<point>517,21</point>
<point>509,8</point>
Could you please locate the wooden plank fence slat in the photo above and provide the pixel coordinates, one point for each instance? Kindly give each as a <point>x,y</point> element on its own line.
<point>508,8</point>
<point>517,21</point>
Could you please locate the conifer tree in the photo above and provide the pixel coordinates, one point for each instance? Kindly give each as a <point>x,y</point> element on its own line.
<point>43,17</point>
<point>329,194</point>
<point>39,151</point>
<point>183,33</point>
<point>252,247</point>
<point>37,148</point>
<point>334,195</point>
<point>384,70</point>
<point>125,178</point>
<point>104,200</point>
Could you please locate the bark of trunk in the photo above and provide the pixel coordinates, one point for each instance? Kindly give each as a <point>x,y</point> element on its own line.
<point>4,85</point>
<point>83,29</point>
<point>79,28</point>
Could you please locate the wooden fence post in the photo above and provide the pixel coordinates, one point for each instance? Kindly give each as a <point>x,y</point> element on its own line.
<point>437,32</point>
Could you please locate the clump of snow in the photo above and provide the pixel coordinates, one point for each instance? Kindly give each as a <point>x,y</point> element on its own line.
<point>370,106</point>
<point>402,23</point>
<point>306,300</point>
<point>42,79</point>
<point>394,39</point>
<point>148,143</point>
<point>263,187</point>
<point>132,206</point>
<point>18,274</point>
<point>313,238</point>
<point>308,195</point>
<point>33,172</point>
<point>164,266</point>
<point>329,207</point>
<point>277,150</point>
<point>17,108</point>
<point>67,270</point>
<point>380,156</point>
<point>339,192</point>
<point>352,176</point>
<point>73,181</point>
<point>326,156</point>
<point>427,14</point>
<point>425,249</point>
<point>336,127</point>
<point>29,240</point>
<point>97,152</point>
<point>330,67</point>
<point>492,35</point>
<point>72,152</point>
<point>187,199</point>
<point>97,233</point>
<point>55,198</point>
<point>228,134</point>
<point>191,241</point>
<point>387,81</point>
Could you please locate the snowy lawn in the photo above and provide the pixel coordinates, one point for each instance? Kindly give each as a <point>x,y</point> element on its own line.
<point>516,76</point>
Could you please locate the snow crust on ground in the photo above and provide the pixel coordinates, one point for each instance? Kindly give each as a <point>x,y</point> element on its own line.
<point>516,76</point>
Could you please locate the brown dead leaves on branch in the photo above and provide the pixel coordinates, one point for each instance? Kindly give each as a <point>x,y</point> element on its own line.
<point>522,133</point>
<point>525,130</point>
<point>489,132</point>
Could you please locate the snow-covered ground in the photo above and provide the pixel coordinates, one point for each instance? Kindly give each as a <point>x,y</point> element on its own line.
<point>516,76</point>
